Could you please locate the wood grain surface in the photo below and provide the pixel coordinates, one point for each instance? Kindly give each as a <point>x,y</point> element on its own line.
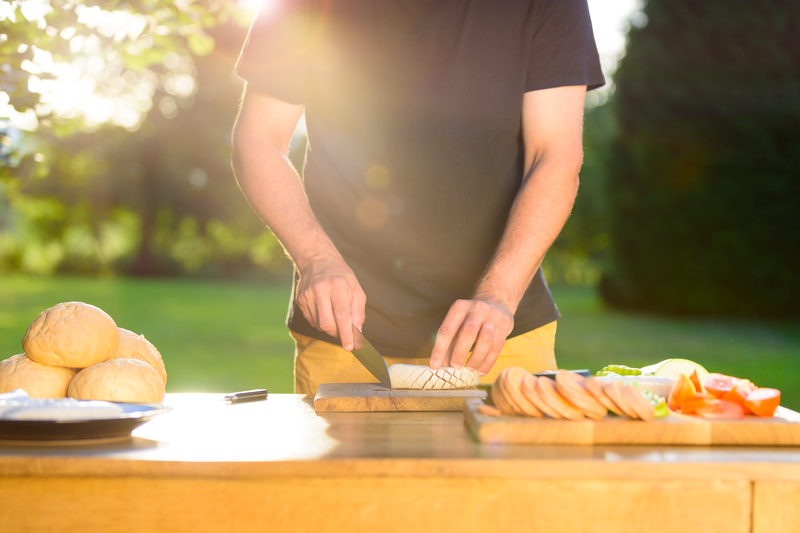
<point>676,429</point>
<point>276,465</point>
<point>359,397</point>
<point>370,505</point>
<point>776,507</point>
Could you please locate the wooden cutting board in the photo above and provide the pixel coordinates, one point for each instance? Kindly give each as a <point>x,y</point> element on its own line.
<point>781,430</point>
<point>355,397</point>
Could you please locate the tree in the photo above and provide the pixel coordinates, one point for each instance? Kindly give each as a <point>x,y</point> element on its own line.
<point>111,43</point>
<point>702,187</point>
<point>144,187</point>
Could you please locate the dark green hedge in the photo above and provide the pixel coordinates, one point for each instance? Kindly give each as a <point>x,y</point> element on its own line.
<point>703,178</point>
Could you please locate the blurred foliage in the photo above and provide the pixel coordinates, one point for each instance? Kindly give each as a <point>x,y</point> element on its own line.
<point>151,194</point>
<point>121,35</point>
<point>702,185</point>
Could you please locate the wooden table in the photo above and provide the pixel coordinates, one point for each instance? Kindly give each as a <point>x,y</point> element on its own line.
<point>276,466</point>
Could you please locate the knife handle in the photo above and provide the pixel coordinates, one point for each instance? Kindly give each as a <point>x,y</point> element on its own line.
<point>247,396</point>
<point>552,374</point>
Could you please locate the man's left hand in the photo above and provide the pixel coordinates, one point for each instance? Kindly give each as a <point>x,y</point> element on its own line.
<point>481,322</point>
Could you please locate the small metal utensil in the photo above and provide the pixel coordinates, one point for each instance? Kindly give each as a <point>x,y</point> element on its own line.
<point>254,395</point>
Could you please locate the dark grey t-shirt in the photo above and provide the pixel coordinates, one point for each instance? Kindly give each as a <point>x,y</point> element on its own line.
<point>413,110</point>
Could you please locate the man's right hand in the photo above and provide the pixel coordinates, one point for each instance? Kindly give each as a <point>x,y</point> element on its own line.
<point>331,298</point>
<point>328,293</point>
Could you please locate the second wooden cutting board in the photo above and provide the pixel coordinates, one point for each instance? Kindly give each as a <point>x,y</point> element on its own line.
<point>359,397</point>
<point>783,429</point>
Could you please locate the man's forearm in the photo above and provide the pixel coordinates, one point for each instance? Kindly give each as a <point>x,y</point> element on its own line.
<point>540,209</point>
<point>551,133</point>
<point>273,188</point>
<point>538,214</point>
<point>328,293</point>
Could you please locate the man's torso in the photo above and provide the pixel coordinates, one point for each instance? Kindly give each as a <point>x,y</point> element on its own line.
<point>415,151</point>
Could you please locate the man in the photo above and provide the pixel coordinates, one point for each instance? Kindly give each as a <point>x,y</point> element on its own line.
<point>444,150</point>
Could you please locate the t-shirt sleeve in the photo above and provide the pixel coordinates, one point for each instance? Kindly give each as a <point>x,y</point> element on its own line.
<point>563,51</point>
<point>276,54</point>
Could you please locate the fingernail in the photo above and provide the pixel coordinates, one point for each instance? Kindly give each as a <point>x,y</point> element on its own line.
<point>349,347</point>
<point>481,374</point>
<point>455,365</point>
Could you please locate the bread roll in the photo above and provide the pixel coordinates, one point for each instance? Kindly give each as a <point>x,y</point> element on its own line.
<point>39,381</point>
<point>71,334</point>
<point>118,380</point>
<point>421,377</point>
<point>133,346</point>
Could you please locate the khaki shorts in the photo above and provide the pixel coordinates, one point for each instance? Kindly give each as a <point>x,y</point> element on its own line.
<point>317,361</point>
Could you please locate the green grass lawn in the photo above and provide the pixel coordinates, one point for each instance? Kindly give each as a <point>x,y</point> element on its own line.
<point>220,336</point>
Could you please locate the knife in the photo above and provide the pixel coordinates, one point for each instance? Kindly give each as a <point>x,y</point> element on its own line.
<point>371,359</point>
<point>246,396</point>
<point>552,373</point>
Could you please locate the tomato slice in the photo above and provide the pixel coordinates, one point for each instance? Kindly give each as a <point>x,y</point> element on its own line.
<point>721,410</point>
<point>696,382</point>
<point>683,389</point>
<point>763,401</point>
<point>739,393</point>
<point>719,384</point>
<point>701,399</point>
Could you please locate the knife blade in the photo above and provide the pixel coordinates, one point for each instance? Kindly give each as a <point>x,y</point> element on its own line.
<point>371,359</point>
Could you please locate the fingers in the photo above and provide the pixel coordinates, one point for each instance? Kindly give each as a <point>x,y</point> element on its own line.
<point>483,361</point>
<point>319,303</point>
<point>332,301</point>
<point>340,304</point>
<point>309,311</point>
<point>467,335</point>
<point>447,332</point>
<point>472,325</point>
<point>483,345</point>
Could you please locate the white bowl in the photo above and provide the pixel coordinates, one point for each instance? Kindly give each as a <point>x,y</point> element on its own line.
<point>656,385</point>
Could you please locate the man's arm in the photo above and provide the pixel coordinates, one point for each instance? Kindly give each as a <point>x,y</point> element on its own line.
<point>328,293</point>
<point>552,124</point>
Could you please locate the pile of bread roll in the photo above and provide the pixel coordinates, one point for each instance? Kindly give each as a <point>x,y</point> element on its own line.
<point>570,396</point>
<point>76,350</point>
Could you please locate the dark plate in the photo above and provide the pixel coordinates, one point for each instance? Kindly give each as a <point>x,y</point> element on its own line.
<point>134,415</point>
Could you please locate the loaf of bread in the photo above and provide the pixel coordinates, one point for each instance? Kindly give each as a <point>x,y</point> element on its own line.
<point>71,334</point>
<point>39,381</point>
<point>421,377</point>
<point>118,380</point>
<point>133,346</point>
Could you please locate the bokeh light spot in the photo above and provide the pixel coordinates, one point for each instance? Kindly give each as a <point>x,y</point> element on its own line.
<point>168,107</point>
<point>198,178</point>
<point>378,177</point>
<point>372,213</point>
